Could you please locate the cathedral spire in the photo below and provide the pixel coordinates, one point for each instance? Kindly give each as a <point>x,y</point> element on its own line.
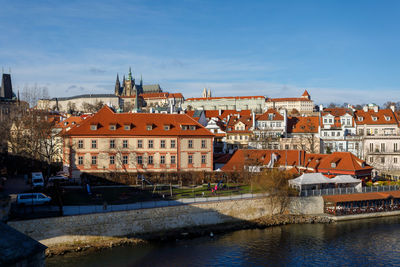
<point>130,74</point>
<point>117,86</point>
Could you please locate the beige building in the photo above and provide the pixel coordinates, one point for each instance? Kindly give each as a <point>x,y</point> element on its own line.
<point>137,142</point>
<point>303,104</point>
<point>254,103</point>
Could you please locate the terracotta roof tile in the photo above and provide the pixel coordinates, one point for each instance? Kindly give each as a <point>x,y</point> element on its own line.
<point>224,97</point>
<point>383,116</point>
<point>303,124</point>
<point>139,122</point>
<point>266,115</point>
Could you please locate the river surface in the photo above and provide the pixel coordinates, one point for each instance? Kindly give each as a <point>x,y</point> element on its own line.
<point>372,242</point>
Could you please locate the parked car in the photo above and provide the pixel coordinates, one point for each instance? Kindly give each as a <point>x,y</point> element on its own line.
<point>27,199</point>
<point>37,179</point>
<point>57,178</point>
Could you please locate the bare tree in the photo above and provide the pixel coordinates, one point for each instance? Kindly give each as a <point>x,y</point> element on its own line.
<point>32,94</point>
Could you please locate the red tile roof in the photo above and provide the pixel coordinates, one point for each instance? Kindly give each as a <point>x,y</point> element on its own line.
<point>306,94</point>
<point>381,115</point>
<point>70,122</point>
<point>253,157</point>
<point>265,116</point>
<point>138,122</point>
<point>294,99</point>
<point>303,124</point>
<point>246,120</point>
<point>362,196</point>
<point>345,161</point>
<point>162,95</point>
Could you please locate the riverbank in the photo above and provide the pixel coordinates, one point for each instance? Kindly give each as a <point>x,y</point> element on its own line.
<point>87,244</point>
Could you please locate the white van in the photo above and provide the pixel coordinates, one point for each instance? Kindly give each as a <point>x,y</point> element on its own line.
<point>37,179</point>
<point>32,199</point>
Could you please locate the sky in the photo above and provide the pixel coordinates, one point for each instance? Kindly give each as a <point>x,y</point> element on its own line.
<point>340,51</point>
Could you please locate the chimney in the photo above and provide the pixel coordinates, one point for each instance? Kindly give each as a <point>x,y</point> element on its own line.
<point>321,107</point>
<point>219,112</point>
<point>253,114</point>
<point>227,120</point>
<point>365,108</point>
<point>392,107</point>
<point>376,108</point>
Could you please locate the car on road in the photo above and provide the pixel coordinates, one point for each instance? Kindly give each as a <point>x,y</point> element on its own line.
<point>37,179</point>
<point>57,179</point>
<point>30,199</point>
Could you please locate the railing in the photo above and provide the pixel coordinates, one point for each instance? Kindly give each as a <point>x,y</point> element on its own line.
<point>348,190</point>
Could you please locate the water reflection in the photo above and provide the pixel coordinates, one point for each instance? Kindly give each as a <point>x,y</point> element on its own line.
<point>354,243</point>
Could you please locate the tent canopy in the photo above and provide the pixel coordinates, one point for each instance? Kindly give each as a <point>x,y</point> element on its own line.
<point>310,179</point>
<point>345,179</point>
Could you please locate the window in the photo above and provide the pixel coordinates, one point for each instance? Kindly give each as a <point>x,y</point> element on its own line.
<point>112,143</point>
<point>382,147</point>
<point>80,160</point>
<point>112,160</point>
<point>294,147</point>
<point>94,160</point>
<point>140,143</point>
<point>383,160</point>
<point>394,160</point>
<point>94,143</point>
<point>340,146</point>
<point>113,127</point>
<point>162,159</point>
<point>371,159</point>
<point>190,159</point>
<point>395,148</point>
<point>124,143</point>
<point>203,144</point>
<point>140,159</point>
<point>173,159</point>
<point>125,159</point>
<point>80,143</point>
<point>93,127</point>
<point>150,160</point>
<point>150,144</point>
<point>127,127</point>
<point>371,147</point>
<point>172,143</point>
<point>166,127</point>
<point>162,144</point>
<point>190,144</point>
<point>286,147</point>
<point>203,159</point>
<point>149,127</point>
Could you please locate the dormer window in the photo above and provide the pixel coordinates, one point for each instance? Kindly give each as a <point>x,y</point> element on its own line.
<point>113,127</point>
<point>149,127</point>
<point>127,127</point>
<point>192,127</point>
<point>374,118</point>
<point>73,123</point>
<point>360,118</point>
<point>387,118</point>
<point>65,123</point>
<point>333,164</point>
<point>93,127</point>
<point>271,116</point>
<point>166,127</point>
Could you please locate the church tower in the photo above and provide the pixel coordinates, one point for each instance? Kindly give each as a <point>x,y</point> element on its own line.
<point>117,87</point>
<point>204,95</point>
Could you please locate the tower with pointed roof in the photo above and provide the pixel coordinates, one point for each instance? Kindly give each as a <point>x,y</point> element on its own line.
<point>306,95</point>
<point>117,87</point>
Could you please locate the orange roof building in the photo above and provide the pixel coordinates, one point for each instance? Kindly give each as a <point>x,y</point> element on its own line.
<point>328,164</point>
<point>302,104</point>
<point>137,142</point>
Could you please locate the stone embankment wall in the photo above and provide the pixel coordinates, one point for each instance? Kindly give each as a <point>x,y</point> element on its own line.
<point>136,222</point>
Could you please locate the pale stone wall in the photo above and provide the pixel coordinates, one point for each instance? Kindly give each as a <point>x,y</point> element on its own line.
<point>113,101</point>
<point>125,223</point>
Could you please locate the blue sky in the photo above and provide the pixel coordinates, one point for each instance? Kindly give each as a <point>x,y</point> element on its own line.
<point>341,51</point>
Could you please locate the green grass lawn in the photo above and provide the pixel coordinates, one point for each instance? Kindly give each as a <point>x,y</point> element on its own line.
<point>124,195</point>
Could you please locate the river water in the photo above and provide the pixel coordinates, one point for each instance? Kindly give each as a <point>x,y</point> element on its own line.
<point>354,243</point>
